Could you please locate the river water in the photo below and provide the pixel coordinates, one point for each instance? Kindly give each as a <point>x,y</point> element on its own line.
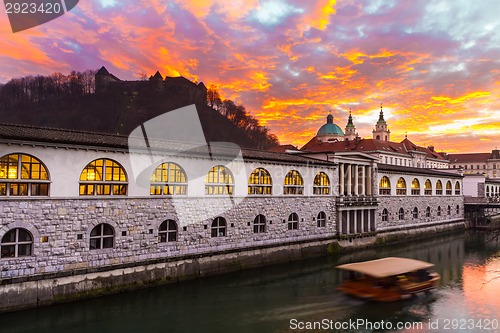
<point>291,296</point>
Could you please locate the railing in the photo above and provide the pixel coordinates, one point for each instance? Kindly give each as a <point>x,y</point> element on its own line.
<point>357,201</point>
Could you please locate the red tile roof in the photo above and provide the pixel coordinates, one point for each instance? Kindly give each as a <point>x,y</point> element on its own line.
<point>469,158</point>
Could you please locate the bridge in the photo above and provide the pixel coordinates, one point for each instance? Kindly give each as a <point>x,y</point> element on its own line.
<point>482,212</point>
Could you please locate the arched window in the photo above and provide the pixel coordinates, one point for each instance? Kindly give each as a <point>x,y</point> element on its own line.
<point>448,188</point>
<point>259,224</point>
<point>401,186</point>
<point>448,210</point>
<point>385,215</point>
<point>415,187</point>
<point>458,210</point>
<point>260,182</point>
<point>457,188</point>
<point>321,184</point>
<point>439,188</point>
<point>415,213</point>
<point>168,179</point>
<point>439,211</point>
<point>167,231</point>
<point>218,181</point>
<point>384,186</point>
<point>428,187</point>
<point>23,175</point>
<point>16,242</point>
<point>428,212</point>
<point>103,177</point>
<point>293,221</point>
<point>321,220</point>
<point>219,227</point>
<point>102,237</point>
<point>401,214</point>
<point>294,184</point>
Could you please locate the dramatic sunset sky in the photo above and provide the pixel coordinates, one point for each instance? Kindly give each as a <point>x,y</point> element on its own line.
<point>435,65</point>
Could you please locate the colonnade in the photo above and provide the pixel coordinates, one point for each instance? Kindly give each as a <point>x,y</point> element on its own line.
<point>355,179</point>
<point>357,221</point>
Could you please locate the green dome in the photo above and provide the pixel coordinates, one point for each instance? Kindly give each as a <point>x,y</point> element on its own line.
<point>329,129</point>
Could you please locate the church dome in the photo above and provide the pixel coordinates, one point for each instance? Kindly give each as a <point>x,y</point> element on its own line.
<point>330,129</point>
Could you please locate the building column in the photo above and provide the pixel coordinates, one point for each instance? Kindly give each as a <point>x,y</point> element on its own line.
<point>356,179</point>
<point>362,220</point>
<point>369,188</point>
<point>372,220</point>
<point>349,180</point>
<point>363,180</point>
<point>348,220</point>
<point>342,180</point>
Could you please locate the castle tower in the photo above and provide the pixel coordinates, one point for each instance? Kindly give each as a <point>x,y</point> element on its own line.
<point>381,132</point>
<point>350,129</point>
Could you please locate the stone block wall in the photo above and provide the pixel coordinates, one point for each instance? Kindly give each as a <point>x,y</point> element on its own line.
<point>409,202</point>
<point>61,229</point>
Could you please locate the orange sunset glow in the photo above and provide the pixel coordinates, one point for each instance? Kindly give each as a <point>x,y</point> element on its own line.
<point>435,65</point>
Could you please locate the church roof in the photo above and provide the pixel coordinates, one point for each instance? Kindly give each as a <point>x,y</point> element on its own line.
<point>329,129</point>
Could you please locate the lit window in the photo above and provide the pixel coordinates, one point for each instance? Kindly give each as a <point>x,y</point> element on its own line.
<point>168,179</point>
<point>23,175</point>
<point>168,231</point>
<point>448,188</point>
<point>293,221</point>
<point>219,180</point>
<point>103,177</point>
<point>428,212</point>
<point>401,186</point>
<point>260,182</point>
<point>401,214</point>
<point>415,187</point>
<point>385,215</point>
<point>457,188</point>
<point>439,188</point>
<point>294,184</point>
<point>385,186</point>
<point>219,227</point>
<point>428,187</point>
<point>17,242</point>
<point>321,184</point>
<point>321,220</point>
<point>415,213</point>
<point>259,224</point>
<point>102,237</point>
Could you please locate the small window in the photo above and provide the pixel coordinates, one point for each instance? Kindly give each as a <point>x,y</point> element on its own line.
<point>219,227</point>
<point>415,213</point>
<point>168,231</point>
<point>294,184</point>
<point>321,220</point>
<point>401,214</point>
<point>428,212</point>
<point>448,210</point>
<point>103,177</point>
<point>439,211</point>
<point>458,210</point>
<point>260,182</point>
<point>385,215</point>
<point>17,242</point>
<point>321,184</point>
<point>168,179</point>
<point>384,186</point>
<point>293,222</point>
<point>401,186</point>
<point>23,175</point>
<point>259,224</point>
<point>102,237</point>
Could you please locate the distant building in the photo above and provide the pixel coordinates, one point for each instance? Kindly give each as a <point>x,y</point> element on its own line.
<point>486,164</point>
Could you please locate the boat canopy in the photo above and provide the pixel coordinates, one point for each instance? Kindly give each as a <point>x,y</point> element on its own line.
<point>385,267</point>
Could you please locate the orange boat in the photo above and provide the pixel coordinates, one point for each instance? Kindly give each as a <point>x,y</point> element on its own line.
<point>388,279</point>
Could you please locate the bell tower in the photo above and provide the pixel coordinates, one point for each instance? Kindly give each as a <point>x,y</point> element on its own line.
<point>350,129</point>
<point>381,132</point>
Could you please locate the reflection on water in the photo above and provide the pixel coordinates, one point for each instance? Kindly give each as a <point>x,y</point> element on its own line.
<point>265,300</point>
